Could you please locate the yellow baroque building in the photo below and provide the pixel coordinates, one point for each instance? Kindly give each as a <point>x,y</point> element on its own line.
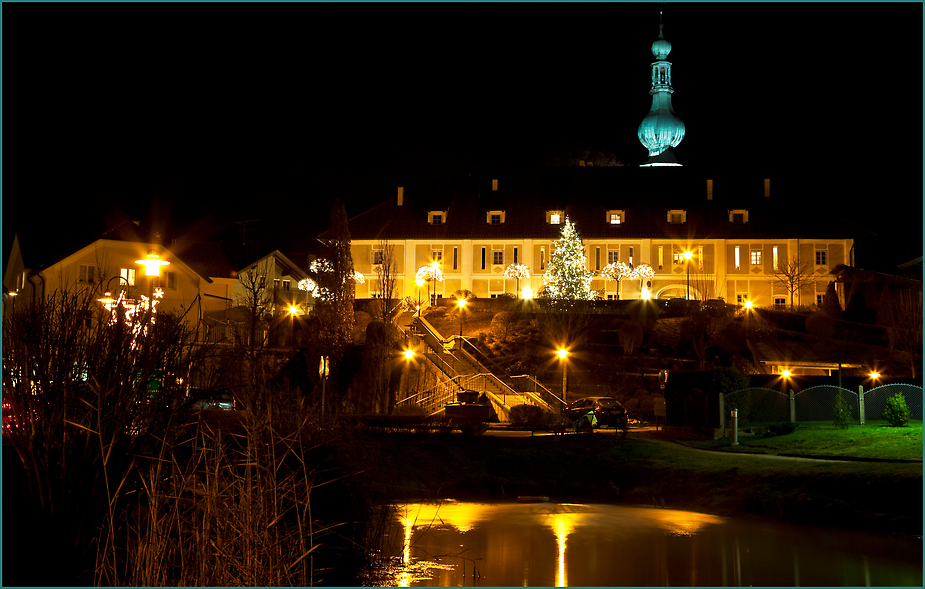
<point>476,224</point>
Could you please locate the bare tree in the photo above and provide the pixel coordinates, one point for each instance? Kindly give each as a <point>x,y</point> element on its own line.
<point>386,273</point>
<point>255,304</point>
<point>792,274</point>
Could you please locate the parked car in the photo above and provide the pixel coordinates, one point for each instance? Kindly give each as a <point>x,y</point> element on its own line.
<point>608,411</point>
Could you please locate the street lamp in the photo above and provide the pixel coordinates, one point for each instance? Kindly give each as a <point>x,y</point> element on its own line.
<point>420,283</point>
<point>462,306</point>
<point>409,354</point>
<point>687,256</point>
<point>562,352</point>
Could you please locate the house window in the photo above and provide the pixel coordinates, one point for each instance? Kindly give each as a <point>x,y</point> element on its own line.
<point>515,255</point>
<point>661,257</point>
<point>497,258</point>
<point>738,218</point>
<point>820,298</point>
<point>676,217</point>
<point>483,258</point>
<point>377,257</point>
<point>613,256</point>
<point>611,297</point>
<point>700,257</point>
<point>129,275</point>
<point>276,283</point>
<point>741,298</point>
<point>597,258</point>
<point>455,258</point>
<point>436,256</point>
<point>615,217</point>
<point>436,217</point>
<point>87,274</point>
<point>820,257</point>
<point>774,257</point>
<point>554,218</point>
<point>495,219</point>
<point>168,281</point>
<point>677,257</point>
<point>286,284</point>
<point>436,220</point>
<point>630,257</point>
<point>737,259</point>
<point>755,256</point>
<point>780,301</point>
<point>542,257</point>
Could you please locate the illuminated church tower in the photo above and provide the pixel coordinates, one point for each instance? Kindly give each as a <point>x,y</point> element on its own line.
<point>661,129</point>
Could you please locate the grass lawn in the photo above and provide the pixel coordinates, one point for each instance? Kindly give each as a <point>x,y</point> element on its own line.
<point>873,440</point>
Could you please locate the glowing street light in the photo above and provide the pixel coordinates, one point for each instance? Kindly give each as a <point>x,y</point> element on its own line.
<point>874,375</point>
<point>462,306</point>
<point>408,354</point>
<point>527,293</point>
<point>563,353</point>
<point>152,263</point>
<point>293,310</point>
<point>687,256</point>
<point>420,282</point>
<point>786,373</point>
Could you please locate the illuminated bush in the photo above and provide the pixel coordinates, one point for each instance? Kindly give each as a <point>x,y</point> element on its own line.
<point>896,411</point>
<point>843,416</point>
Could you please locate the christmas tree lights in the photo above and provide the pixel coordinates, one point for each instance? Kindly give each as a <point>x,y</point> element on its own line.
<point>567,276</point>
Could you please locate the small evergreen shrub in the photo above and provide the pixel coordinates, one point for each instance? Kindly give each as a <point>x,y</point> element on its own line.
<point>896,411</point>
<point>843,416</point>
<point>525,414</point>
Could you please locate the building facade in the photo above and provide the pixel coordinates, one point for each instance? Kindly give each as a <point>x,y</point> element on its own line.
<point>476,225</point>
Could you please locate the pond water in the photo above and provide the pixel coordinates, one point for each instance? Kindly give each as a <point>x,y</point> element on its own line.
<point>451,544</point>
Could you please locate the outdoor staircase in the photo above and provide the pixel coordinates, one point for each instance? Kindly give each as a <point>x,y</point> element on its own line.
<point>455,361</point>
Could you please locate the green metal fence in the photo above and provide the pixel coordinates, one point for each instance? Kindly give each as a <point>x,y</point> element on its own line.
<point>762,406</point>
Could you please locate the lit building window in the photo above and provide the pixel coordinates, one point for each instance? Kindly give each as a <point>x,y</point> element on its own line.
<point>629,258</point>
<point>755,258</point>
<point>774,257</point>
<point>554,218</point>
<point>542,257</point>
<point>436,255</point>
<point>615,217</point>
<point>129,275</point>
<point>661,256</point>
<point>286,284</point>
<point>737,259</point>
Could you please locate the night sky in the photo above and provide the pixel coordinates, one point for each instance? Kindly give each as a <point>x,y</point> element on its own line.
<point>192,116</point>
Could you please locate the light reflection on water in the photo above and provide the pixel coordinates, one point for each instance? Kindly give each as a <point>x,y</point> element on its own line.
<point>543,544</point>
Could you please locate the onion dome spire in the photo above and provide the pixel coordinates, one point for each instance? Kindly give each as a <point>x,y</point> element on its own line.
<point>661,129</point>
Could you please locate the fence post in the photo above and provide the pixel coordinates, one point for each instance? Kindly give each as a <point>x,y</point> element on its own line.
<point>793,407</point>
<point>861,403</point>
<point>735,427</point>
<point>722,415</point>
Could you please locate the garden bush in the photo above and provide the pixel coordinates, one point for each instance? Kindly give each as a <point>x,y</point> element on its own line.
<point>525,414</point>
<point>781,429</point>
<point>896,411</point>
<point>843,416</point>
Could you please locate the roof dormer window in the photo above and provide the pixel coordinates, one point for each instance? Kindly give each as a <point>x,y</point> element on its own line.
<point>554,217</point>
<point>677,216</point>
<point>616,217</point>
<point>495,217</point>
<point>436,217</point>
<point>738,216</point>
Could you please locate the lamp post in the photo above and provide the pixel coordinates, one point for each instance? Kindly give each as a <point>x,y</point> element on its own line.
<point>462,306</point>
<point>562,352</point>
<point>687,256</point>
<point>420,283</point>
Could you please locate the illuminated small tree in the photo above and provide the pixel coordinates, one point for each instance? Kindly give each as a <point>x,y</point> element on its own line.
<point>567,276</point>
<point>428,273</point>
<point>517,271</point>
<point>616,271</point>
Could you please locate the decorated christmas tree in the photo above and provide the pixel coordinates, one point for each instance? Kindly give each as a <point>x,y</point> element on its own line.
<point>567,276</point>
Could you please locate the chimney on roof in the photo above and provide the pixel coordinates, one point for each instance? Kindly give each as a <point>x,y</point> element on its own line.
<point>494,184</point>
<point>709,189</point>
<point>767,187</point>
<point>401,195</point>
